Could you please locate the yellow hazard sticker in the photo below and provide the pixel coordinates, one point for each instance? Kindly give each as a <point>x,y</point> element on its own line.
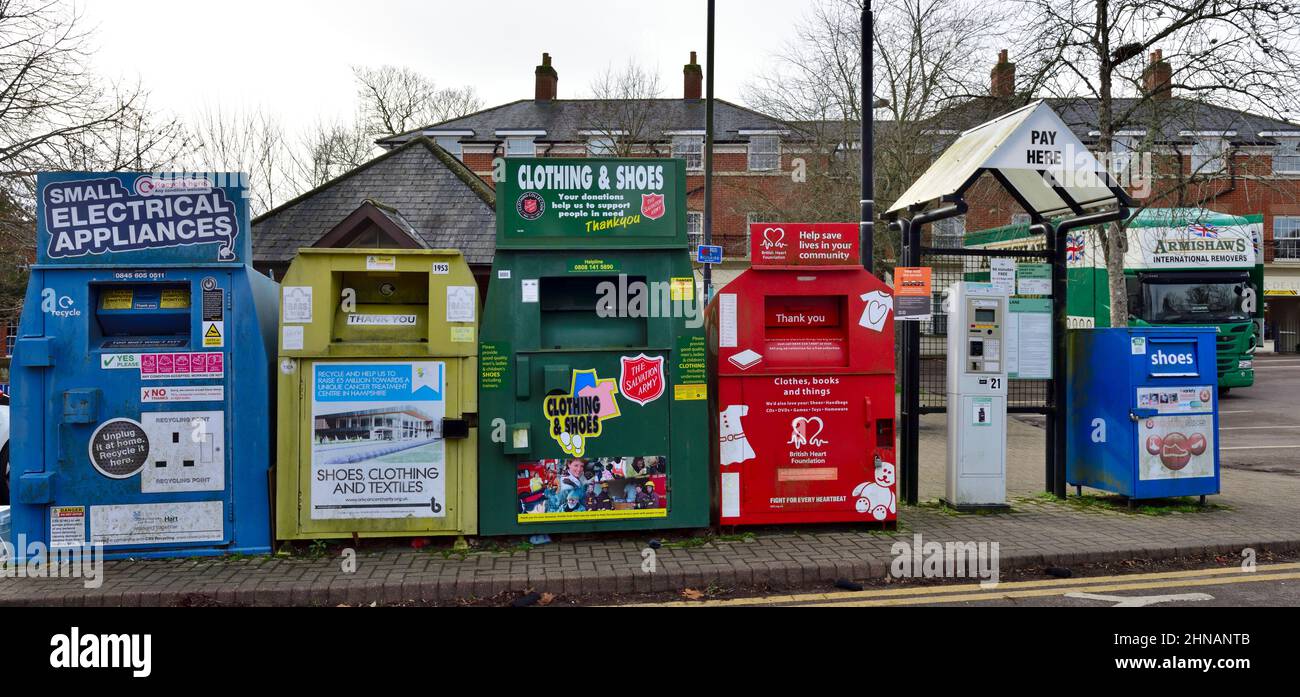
<point>120,299</point>
<point>214,334</point>
<point>176,299</point>
<point>690,393</point>
<point>683,289</point>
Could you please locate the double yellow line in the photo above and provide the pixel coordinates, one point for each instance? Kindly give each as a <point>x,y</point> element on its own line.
<point>974,592</point>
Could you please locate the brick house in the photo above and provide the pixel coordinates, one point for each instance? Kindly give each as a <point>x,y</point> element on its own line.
<point>753,153</point>
<point>1201,155</point>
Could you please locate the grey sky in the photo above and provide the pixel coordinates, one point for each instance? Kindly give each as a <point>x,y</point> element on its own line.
<point>292,57</point>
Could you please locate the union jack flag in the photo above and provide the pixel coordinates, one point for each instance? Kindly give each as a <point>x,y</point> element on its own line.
<point>1203,230</point>
<point>1075,246</point>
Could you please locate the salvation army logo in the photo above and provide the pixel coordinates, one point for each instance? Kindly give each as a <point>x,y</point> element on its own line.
<point>652,206</point>
<point>530,206</point>
<point>641,379</point>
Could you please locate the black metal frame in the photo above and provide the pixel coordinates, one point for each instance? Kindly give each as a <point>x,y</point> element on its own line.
<point>914,252</point>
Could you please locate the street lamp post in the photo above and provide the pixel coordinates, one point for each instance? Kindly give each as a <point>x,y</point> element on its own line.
<point>867,108</point>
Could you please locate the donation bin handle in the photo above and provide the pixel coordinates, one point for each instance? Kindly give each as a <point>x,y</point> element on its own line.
<point>1136,415</point>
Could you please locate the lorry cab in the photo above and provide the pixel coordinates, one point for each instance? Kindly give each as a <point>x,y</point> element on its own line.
<point>1223,299</point>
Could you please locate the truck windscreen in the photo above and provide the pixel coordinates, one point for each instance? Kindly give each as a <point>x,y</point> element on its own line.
<point>1194,303</point>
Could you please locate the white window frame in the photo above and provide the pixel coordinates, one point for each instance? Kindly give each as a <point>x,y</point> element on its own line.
<point>1286,158</point>
<point>521,146</point>
<point>691,149</point>
<point>11,337</point>
<point>949,233</point>
<point>695,219</point>
<point>760,160</point>
<point>1209,154</point>
<point>1021,219</point>
<point>602,146</point>
<point>452,145</point>
<point>1286,228</point>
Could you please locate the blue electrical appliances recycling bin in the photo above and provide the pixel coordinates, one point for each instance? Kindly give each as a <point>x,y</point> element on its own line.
<point>141,393</point>
<point>1143,411</point>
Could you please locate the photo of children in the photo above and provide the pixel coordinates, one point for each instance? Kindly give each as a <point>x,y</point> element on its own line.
<point>586,488</point>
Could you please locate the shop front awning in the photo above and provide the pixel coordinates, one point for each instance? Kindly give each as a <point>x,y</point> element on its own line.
<point>1033,154</point>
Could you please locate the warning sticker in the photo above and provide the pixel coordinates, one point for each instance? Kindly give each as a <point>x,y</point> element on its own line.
<point>214,334</point>
<point>682,289</point>
<point>183,393</point>
<point>67,527</point>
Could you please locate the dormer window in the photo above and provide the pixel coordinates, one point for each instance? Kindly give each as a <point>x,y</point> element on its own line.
<point>521,146</point>
<point>691,149</point>
<point>602,146</point>
<point>452,145</point>
<point>1286,158</point>
<point>764,152</point>
<point>1209,154</point>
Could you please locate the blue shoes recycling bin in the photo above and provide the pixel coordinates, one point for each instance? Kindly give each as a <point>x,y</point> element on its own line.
<point>141,392</point>
<point>1143,411</point>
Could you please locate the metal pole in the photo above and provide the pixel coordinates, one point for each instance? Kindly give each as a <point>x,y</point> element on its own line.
<point>708,154</point>
<point>868,144</point>
<point>1054,480</point>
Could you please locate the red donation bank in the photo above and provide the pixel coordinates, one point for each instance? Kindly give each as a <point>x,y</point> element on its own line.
<point>802,347</point>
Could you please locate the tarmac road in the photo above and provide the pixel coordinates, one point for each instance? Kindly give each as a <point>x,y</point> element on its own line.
<point>1270,585</point>
<point>1259,426</point>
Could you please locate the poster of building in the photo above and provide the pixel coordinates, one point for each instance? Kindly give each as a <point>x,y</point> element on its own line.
<point>377,443</point>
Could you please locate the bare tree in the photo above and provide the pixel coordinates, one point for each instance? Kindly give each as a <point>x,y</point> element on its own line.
<point>1237,54</point>
<point>922,58</point>
<point>56,114</point>
<point>251,142</point>
<point>329,150</point>
<point>397,99</point>
<point>626,109</point>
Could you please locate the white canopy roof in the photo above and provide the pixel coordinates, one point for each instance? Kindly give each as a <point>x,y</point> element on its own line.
<point>1033,154</point>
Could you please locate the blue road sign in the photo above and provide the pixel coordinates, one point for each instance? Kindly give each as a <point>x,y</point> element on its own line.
<point>709,254</point>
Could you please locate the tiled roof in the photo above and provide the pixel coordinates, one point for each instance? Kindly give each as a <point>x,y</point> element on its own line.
<point>565,119</point>
<point>1174,118</point>
<point>425,190</point>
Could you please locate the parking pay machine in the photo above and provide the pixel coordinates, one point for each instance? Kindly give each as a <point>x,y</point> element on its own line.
<point>977,396</point>
<point>592,378</point>
<point>141,395</point>
<point>378,390</point>
<point>802,346</point>
<point>1143,413</point>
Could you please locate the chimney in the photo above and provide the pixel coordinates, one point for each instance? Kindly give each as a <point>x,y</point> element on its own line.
<point>1002,80</point>
<point>548,81</point>
<point>694,84</point>
<point>1158,77</point>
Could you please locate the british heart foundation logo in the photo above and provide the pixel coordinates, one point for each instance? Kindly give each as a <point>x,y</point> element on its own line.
<point>652,206</point>
<point>641,379</point>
